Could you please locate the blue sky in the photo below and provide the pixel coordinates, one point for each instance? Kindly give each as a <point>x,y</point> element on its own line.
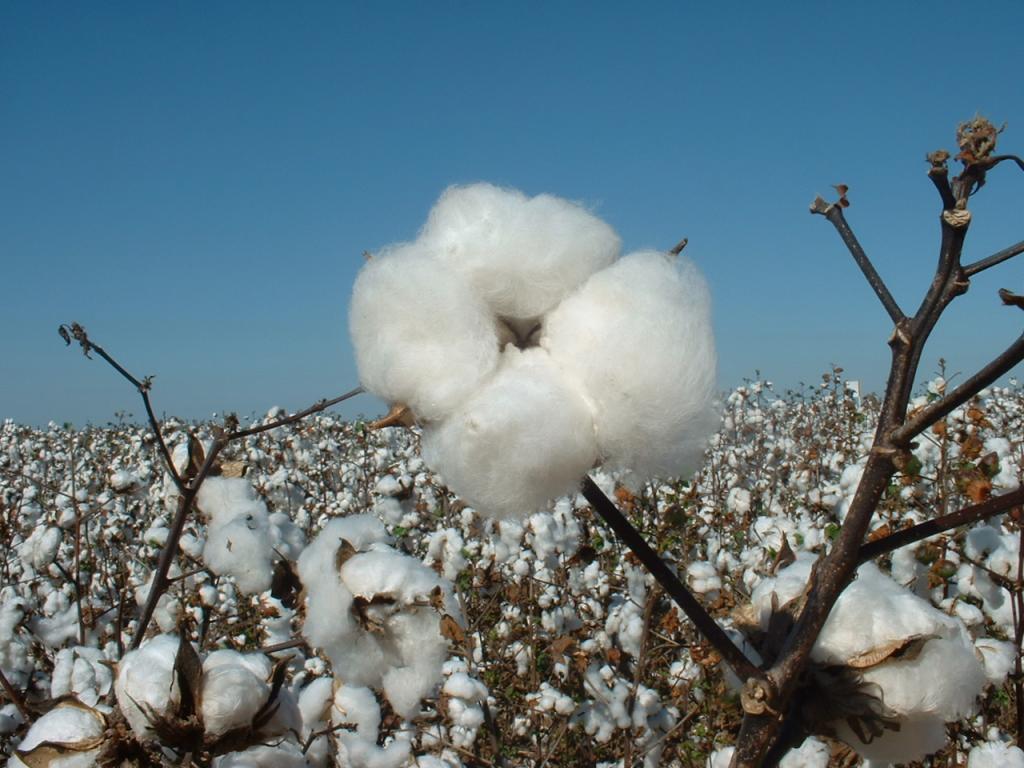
<point>196,182</point>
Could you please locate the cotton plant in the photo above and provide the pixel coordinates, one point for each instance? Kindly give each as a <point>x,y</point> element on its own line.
<point>529,351</point>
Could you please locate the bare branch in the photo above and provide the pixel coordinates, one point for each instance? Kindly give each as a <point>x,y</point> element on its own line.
<point>682,596</point>
<point>79,334</point>
<point>15,696</point>
<point>939,409</point>
<point>834,214</point>
<point>965,516</point>
<point>996,258</point>
<point>317,407</point>
<point>939,174</point>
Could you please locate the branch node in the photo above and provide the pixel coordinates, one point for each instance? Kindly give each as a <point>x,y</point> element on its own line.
<point>819,206</point>
<point>957,218</point>
<point>758,696</point>
<point>900,336</point>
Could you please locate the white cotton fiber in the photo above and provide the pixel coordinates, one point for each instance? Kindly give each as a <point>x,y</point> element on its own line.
<point>877,615</point>
<point>522,255</point>
<point>234,690</point>
<point>995,755</point>
<point>421,336</point>
<point>146,683</point>
<point>637,336</point>
<point>377,618</point>
<point>522,440</point>
<point>66,723</point>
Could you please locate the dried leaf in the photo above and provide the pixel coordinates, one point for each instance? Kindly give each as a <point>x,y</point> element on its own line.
<point>971,447</point>
<point>451,631</point>
<point>979,489</point>
<point>233,469</point>
<point>562,644</point>
<point>786,555</point>
<point>880,532</point>
<point>977,416</point>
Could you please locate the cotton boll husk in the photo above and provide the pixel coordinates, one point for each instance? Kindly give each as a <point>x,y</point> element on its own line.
<point>421,336</point>
<point>522,255</point>
<point>66,723</point>
<point>525,438</point>
<point>145,678</point>
<point>637,337</point>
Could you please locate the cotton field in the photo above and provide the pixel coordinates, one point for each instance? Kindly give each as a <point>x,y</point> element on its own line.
<point>334,604</point>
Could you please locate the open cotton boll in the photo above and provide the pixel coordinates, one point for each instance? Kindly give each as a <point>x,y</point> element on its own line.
<point>284,754</point>
<point>421,336</point>
<point>77,728</point>
<point>522,255</point>
<point>522,440</point>
<point>241,548</point>
<point>233,692</point>
<point>225,498</point>
<point>146,682</point>
<point>896,641</point>
<point>637,337</point>
<point>375,614</point>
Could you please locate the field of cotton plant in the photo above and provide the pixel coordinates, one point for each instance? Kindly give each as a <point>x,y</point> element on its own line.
<point>335,604</point>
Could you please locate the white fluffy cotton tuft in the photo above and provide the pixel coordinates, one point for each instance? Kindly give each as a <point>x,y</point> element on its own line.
<point>146,683</point>
<point>523,439</point>
<point>637,336</point>
<point>521,255</point>
<point>375,612</point>
<point>422,337</point>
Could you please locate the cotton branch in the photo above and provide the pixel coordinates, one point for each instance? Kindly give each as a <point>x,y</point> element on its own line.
<point>682,596</point>
<point>77,332</point>
<point>189,485</point>
<point>941,408</point>
<point>761,730</point>
<point>834,213</point>
<point>993,506</point>
<point>996,258</point>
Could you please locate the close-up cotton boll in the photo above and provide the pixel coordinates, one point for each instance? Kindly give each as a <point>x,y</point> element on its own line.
<point>146,684</point>
<point>522,255</point>
<point>524,438</point>
<point>637,337</point>
<point>893,641</point>
<point>422,337</point>
<point>234,689</point>
<point>376,613</point>
<point>528,353</point>
<point>73,730</point>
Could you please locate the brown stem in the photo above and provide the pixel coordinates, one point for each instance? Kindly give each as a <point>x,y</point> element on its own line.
<point>15,696</point>
<point>834,214</point>
<point>939,409</point>
<point>730,652</point>
<point>995,258</point>
<point>965,516</point>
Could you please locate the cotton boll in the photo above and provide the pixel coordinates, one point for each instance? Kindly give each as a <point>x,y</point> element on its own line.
<point>997,657</point>
<point>224,498</point>
<point>69,723</point>
<point>995,755</point>
<point>421,336</point>
<point>231,695</point>
<point>146,682</point>
<point>637,337</point>
<point>522,440</point>
<point>522,255</point>
<point>241,549</point>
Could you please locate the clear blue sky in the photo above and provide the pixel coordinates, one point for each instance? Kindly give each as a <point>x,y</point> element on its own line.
<point>195,182</point>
